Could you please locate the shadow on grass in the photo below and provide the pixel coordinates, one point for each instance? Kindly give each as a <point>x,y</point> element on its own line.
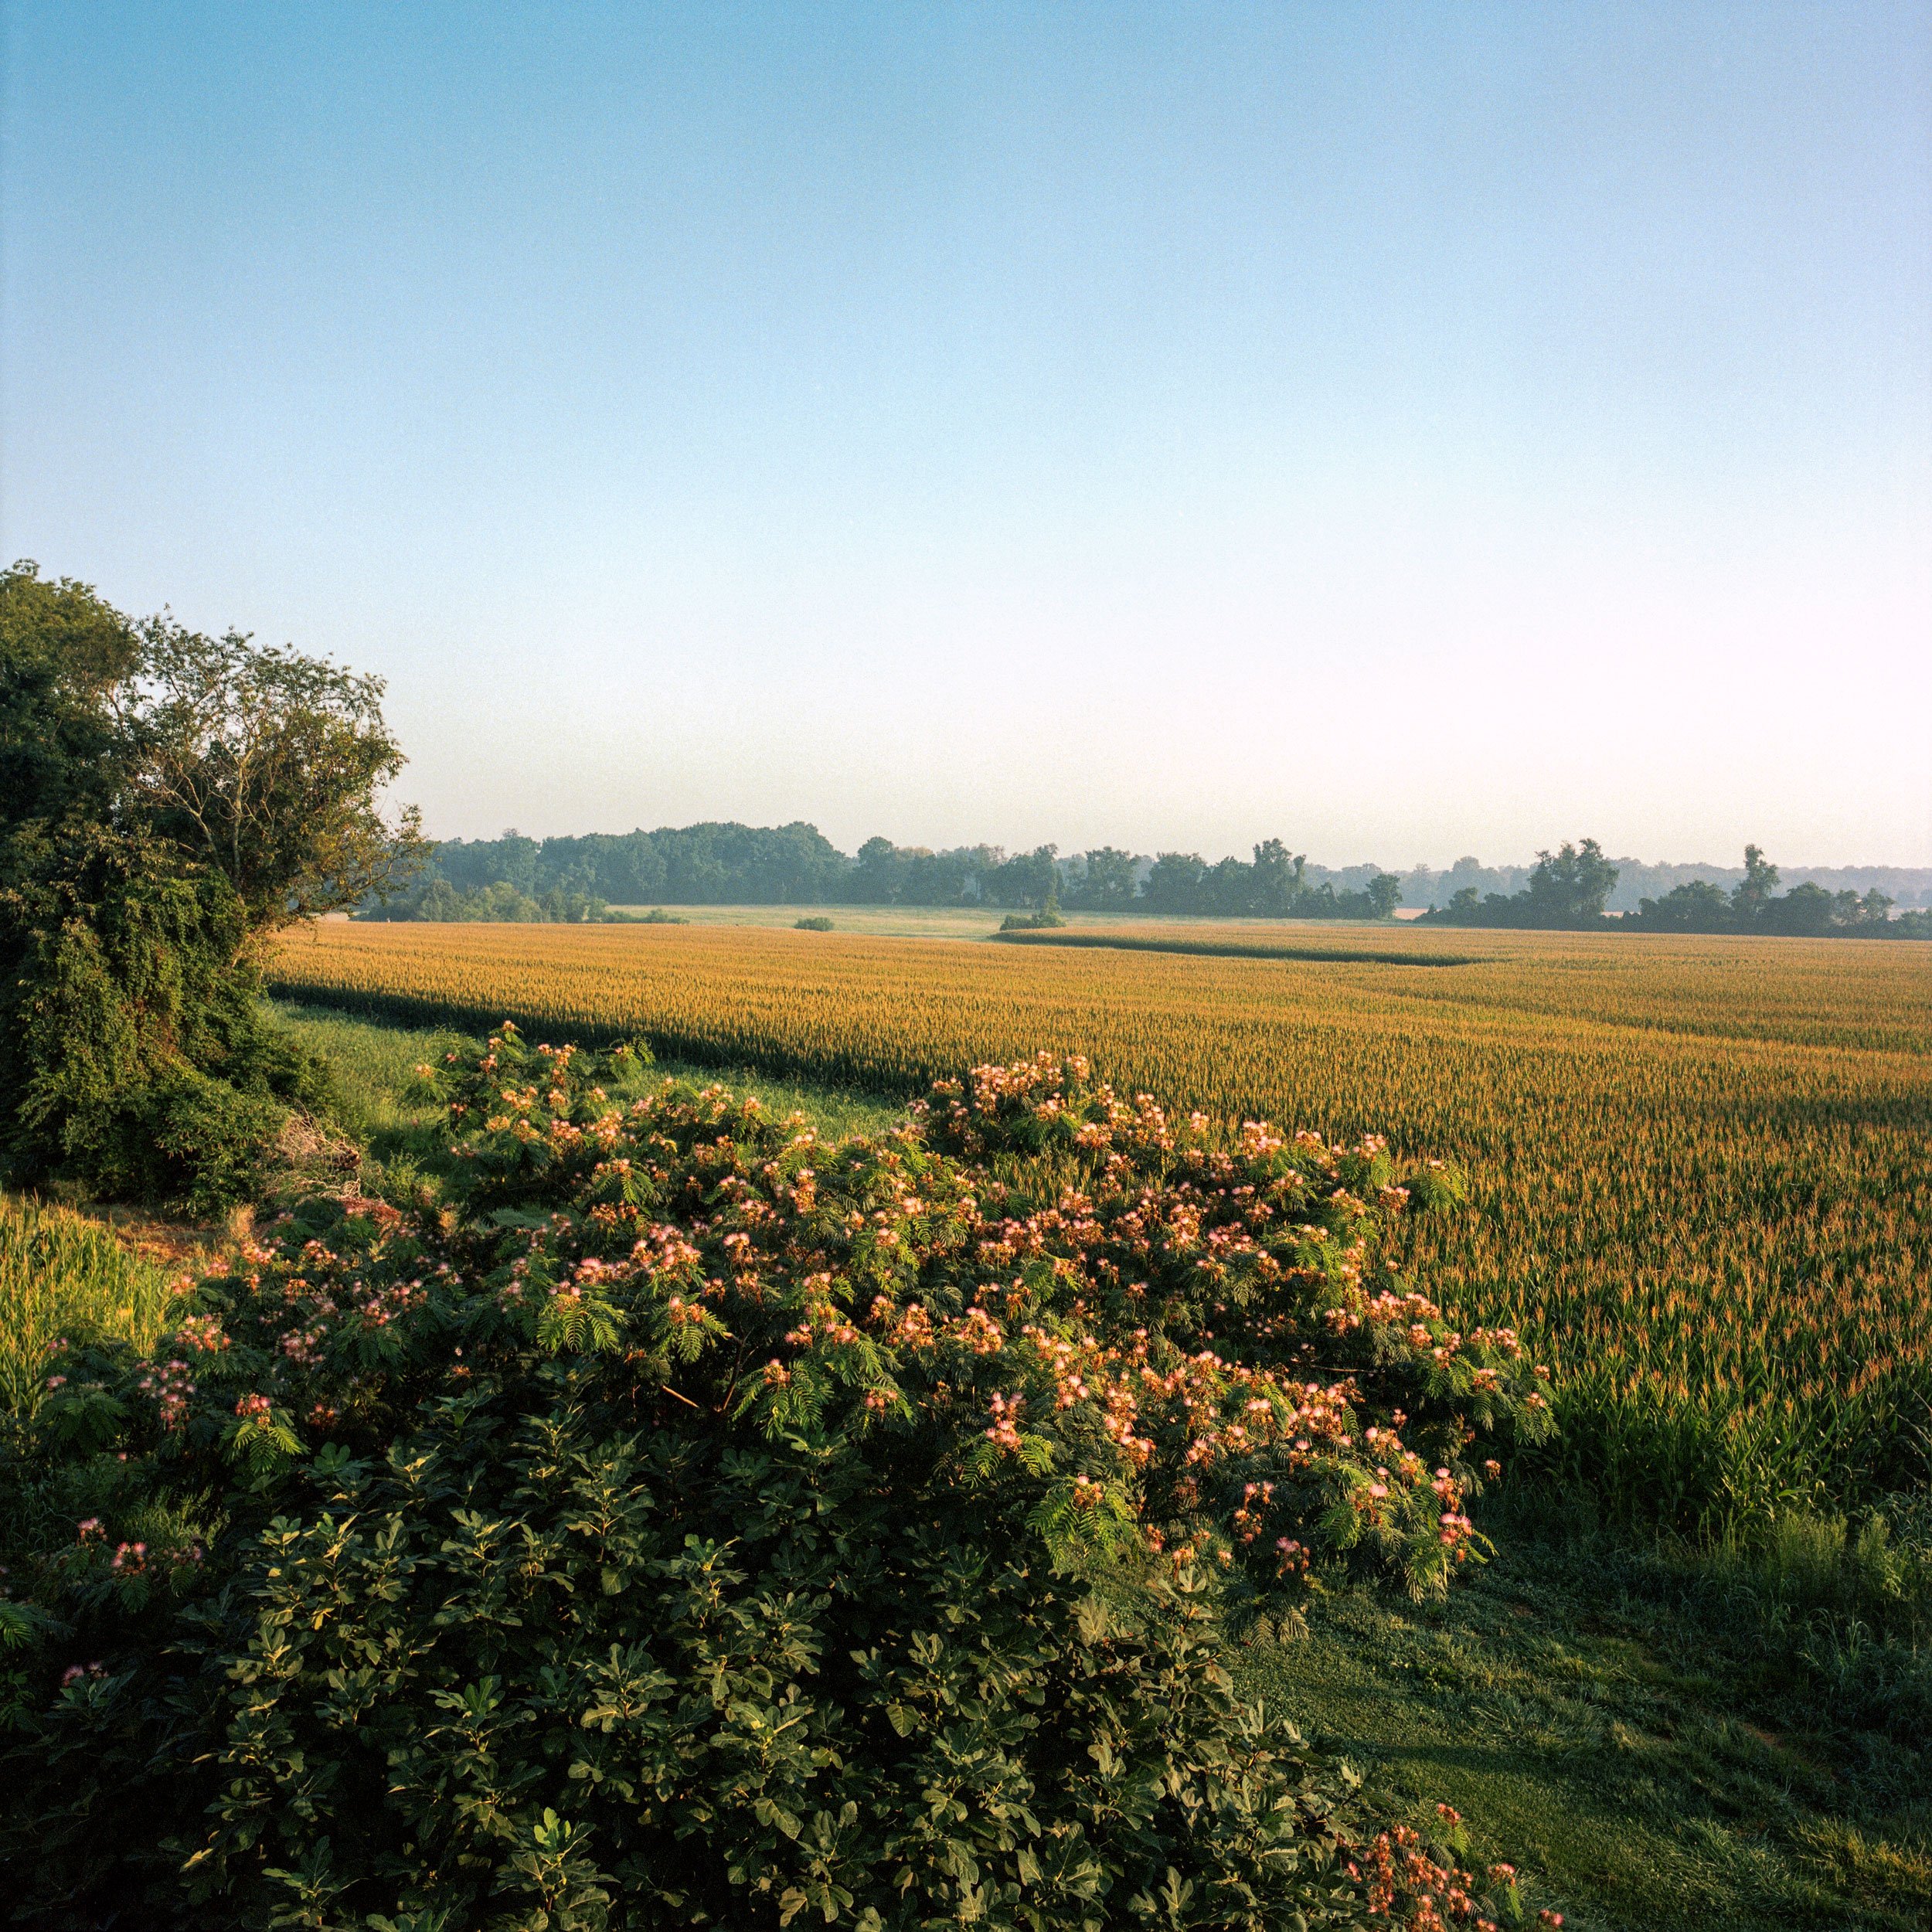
<point>1657,1746</point>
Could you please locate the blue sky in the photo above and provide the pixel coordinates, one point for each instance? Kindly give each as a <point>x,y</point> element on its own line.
<point>1408,430</point>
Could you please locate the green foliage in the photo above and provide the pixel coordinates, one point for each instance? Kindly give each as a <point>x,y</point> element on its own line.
<point>1807,911</point>
<point>1567,891</point>
<point>707,1526</point>
<point>63,650</point>
<point>194,1145</point>
<point>1274,886</point>
<point>140,1059</point>
<point>263,766</point>
<point>747,865</point>
<point>437,899</point>
<point>817,922</point>
<point>706,865</point>
<point>166,801</point>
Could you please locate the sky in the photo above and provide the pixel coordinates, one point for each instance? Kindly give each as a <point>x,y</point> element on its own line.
<point>1407,430</point>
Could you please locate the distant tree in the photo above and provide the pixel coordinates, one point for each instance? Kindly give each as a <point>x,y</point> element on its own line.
<point>1754,905</point>
<point>1228,889</point>
<point>1698,906</point>
<point>1028,879</point>
<point>1384,894</point>
<point>1106,884</point>
<point>1570,887</point>
<point>1173,884</point>
<point>1810,909</point>
<point>1567,890</point>
<point>1753,892</point>
<point>943,877</point>
<point>878,877</point>
<point>1276,879</point>
<point>1806,910</point>
<point>1874,910</point>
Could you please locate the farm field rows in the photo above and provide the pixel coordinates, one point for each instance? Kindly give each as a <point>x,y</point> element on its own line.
<point>1699,1167</point>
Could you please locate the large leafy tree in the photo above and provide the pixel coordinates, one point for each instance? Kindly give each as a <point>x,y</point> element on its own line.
<point>1278,879</point>
<point>168,802</point>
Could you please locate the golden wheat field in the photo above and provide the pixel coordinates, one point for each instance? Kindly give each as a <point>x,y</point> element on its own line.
<point>1701,1169</point>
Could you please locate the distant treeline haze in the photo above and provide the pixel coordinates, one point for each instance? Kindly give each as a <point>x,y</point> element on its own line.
<point>1569,888</point>
<point>578,878</point>
<point>795,865</point>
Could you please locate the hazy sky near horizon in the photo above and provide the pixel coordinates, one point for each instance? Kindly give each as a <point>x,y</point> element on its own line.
<point>1410,429</point>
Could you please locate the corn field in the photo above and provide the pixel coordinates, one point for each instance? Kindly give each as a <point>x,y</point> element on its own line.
<point>1700,1169</point>
<point>61,1273</point>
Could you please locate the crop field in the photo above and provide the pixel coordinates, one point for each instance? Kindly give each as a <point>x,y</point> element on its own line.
<point>1701,1169</point>
<point>61,1273</point>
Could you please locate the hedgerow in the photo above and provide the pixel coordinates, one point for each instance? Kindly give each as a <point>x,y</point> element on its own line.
<point>700,1524</point>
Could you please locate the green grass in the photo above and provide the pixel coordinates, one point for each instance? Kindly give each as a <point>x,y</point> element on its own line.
<point>1662,1741</point>
<point>378,1105</point>
<point>837,1113</point>
<point>63,1273</point>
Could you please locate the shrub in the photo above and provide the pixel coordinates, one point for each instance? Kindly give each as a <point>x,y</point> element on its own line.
<point>817,922</point>
<point>708,1526</point>
<point>143,1064</point>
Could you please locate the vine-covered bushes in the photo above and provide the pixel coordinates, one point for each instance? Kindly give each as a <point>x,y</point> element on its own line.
<point>141,1060</point>
<point>168,802</point>
<point>702,1525</point>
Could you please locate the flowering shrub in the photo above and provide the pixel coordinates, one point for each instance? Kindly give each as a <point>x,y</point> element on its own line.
<point>707,1524</point>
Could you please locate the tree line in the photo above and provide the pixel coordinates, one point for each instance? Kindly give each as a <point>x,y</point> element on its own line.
<point>728,864</point>
<point>1568,889</point>
<point>580,878</point>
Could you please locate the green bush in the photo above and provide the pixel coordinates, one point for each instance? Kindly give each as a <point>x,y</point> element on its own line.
<point>197,1143</point>
<point>817,923</point>
<point>145,1066</point>
<point>705,1525</point>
